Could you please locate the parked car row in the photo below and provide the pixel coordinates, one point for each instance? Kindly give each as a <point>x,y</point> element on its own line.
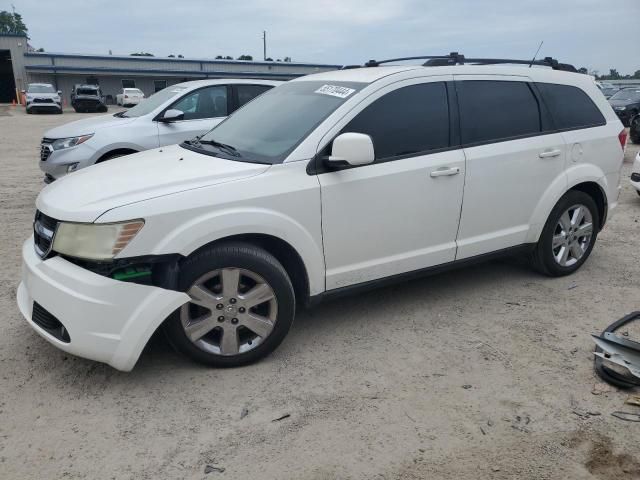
<point>327,184</point>
<point>626,104</point>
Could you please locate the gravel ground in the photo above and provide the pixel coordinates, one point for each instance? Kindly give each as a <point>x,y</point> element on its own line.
<point>484,372</point>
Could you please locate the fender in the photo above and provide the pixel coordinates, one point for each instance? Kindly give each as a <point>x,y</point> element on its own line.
<point>117,146</point>
<point>210,225</point>
<point>571,177</point>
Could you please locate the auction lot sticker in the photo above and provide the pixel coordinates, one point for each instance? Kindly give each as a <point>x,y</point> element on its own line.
<point>335,91</point>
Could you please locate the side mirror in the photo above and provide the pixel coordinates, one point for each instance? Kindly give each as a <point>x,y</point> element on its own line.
<point>351,149</point>
<point>172,115</point>
<point>59,92</point>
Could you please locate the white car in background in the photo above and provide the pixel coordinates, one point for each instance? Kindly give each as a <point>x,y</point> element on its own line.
<point>177,113</point>
<point>42,97</point>
<point>129,97</point>
<point>635,174</point>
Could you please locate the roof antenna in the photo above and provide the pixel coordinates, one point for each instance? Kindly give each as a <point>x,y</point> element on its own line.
<point>536,54</point>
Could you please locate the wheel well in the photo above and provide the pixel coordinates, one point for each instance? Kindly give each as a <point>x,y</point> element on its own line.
<point>118,151</point>
<point>595,191</point>
<point>284,253</point>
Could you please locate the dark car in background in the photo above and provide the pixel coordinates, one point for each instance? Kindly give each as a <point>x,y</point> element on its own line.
<point>87,98</point>
<point>634,129</point>
<point>626,104</point>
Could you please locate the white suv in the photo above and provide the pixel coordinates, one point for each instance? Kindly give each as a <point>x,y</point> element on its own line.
<point>174,114</point>
<point>326,184</point>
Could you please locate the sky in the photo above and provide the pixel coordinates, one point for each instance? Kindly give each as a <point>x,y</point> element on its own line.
<point>597,34</point>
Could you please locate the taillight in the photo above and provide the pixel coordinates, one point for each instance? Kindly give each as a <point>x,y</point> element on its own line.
<point>622,136</point>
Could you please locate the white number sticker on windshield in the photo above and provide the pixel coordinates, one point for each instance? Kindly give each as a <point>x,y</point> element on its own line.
<point>335,91</point>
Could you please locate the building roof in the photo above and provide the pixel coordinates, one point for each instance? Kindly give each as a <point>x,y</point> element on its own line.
<point>87,56</point>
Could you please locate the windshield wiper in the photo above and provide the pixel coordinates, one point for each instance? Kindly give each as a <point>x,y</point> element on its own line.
<point>231,150</point>
<point>121,114</point>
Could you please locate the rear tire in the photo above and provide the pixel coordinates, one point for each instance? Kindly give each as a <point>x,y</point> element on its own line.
<point>568,236</point>
<point>245,306</point>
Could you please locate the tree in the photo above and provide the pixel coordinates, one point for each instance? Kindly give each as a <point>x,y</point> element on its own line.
<point>12,23</point>
<point>287,59</point>
<point>40,50</point>
<point>170,56</point>
<point>583,70</point>
<point>141,54</point>
<point>180,56</point>
<point>245,57</point>
<point>268,59</point>
<point>636,75</point>
<point>613,74</point>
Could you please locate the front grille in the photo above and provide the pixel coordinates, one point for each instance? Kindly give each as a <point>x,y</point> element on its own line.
<point>45,320</point>
<point>45,149</point>
<point>44,229</point>
<point>43,100</point>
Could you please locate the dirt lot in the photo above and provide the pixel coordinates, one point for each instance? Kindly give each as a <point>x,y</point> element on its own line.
<point>484,372</point>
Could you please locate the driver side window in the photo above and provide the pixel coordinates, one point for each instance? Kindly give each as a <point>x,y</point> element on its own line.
<point>209,102</point>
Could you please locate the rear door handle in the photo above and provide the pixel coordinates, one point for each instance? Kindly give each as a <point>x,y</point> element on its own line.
<point>550,153</point>
<point>443,172</point>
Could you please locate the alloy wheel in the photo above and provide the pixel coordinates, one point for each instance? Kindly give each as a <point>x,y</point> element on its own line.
<point>231,311</point>
<point>572,235</point>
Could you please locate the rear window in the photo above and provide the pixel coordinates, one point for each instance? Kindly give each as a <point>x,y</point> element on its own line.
<point>496,110</point>
<point>570,107</point>
<point>87,91</point>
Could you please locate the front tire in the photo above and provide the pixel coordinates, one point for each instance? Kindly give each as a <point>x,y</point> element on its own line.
<point>242,306</point>
<point>568,236</point>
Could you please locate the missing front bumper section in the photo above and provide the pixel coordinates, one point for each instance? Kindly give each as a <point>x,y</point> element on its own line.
<point>155,270</point>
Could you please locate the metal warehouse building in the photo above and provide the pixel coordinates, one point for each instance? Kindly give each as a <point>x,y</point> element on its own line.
<point>19,67</point>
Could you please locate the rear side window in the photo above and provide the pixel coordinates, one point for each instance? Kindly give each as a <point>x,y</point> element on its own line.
<point>496,110</point>
<point>570,107</point>
<point>409,120</point>
<point>246,93</point>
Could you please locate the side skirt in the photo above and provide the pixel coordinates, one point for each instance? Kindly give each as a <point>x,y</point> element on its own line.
<point>423,272</point>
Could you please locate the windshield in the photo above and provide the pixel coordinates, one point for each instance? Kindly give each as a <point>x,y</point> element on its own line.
<point>631,94</point>
<point>132,90</point>
<point>41,89</point>
<point>148,105</point>
<point>268,128</point>
<point>87,91</point>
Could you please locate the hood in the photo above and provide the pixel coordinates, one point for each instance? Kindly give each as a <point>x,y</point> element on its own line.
<point>87,125</point>
<point>42,95</point>
<point>86,194</point>
<point>621,103</point>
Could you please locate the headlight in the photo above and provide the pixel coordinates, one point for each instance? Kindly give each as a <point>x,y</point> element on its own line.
<point>621,108</point>
<point>61,143</point>
<point>95,241</point>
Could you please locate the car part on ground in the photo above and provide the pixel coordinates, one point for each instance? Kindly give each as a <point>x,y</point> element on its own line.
<point>619,351</point>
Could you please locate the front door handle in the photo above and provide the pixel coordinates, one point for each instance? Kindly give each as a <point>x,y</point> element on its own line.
<point>550,153</point>
<point>443,172</point>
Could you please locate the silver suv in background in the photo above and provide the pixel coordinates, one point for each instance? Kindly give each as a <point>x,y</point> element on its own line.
<point>42,97</point>
<point>177,113</point>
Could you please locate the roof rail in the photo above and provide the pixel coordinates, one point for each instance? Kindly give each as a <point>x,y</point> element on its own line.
<point>455,58</point>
